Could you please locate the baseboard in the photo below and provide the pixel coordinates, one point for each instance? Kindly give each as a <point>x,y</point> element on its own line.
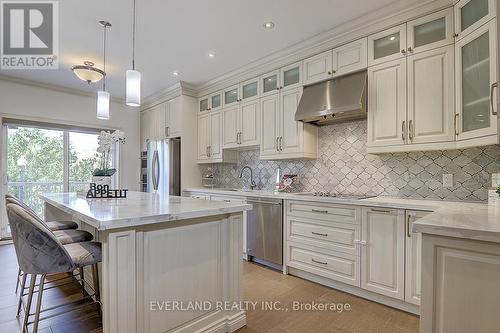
<point>371,296</point>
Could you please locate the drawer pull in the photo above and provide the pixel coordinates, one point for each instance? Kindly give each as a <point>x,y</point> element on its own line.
<point>227,200</point>
<point>319,262</point>
<point>319,234</point>
<point>361,242</point>
<point>319,211</point>
<point>381,210</point>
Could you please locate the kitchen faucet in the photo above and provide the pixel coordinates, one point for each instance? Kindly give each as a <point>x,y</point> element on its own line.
<point>252,182</point>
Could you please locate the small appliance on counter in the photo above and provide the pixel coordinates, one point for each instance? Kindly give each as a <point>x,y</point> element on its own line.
<point>208,178</point>
<point>288,183</point>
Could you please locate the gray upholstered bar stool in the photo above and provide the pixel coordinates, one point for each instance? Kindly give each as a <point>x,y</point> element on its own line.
<point>40,253</point>
<point>65,236</point>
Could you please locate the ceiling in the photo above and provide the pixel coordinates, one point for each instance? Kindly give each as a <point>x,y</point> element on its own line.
<point>177,35</point>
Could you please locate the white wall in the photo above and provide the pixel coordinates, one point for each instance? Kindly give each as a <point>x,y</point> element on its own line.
<point>36,103</point>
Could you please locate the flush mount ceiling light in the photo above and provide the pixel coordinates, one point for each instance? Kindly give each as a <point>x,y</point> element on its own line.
<point>175,73</point>
<point>133,81</point>
<point>211,55</point>
<point>102,95</point>
<point>88,73</point>
<point>268,25</point>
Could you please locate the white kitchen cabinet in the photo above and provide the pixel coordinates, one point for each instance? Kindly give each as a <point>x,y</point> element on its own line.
<point>281,136</point>
<point>430,32</point>
<point>203,136</point>
<point>231,126</point>
<point>241,125</point>
<point>173,118</point>
<point>350,58</point>
<point>215,148</point>
<point>318,68</point>
<point>216,101</point>
<point>249,90</point>
<point>387,104</point>
<point>382,251</point>
<point>476,72</point>
<point>231,96</point>
<point>431,99</point>
<point>145,130</point>
<point>291,76</point>
<point>413,278</point>
<point>269,83</point>
<point>387,45</point>
<point>342,60</point>
<point>471,14</point>
<point>204,104</point>
<point>210,139</point>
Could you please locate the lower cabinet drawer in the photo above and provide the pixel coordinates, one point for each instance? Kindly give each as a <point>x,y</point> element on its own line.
<point>343,237</point>
<point>332,265</point>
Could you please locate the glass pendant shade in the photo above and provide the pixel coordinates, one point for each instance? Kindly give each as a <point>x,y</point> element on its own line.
<point>103,105</point>
<point>133,88</point>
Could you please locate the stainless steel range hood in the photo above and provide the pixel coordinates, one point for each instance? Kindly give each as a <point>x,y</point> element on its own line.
<point>337,100</point>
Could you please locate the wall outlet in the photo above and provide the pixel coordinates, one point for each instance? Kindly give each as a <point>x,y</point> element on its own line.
<point>447,180</point>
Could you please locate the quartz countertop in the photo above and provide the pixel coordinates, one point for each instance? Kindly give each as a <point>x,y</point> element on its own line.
<point>467,220</point>
<point>138,209</point>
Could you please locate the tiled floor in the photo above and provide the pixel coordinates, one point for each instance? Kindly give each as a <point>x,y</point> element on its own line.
<point>261,284</point>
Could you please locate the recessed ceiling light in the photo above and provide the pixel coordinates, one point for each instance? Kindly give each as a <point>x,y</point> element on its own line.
<point>393,38</point>
<point>211,55</point>
<point>175,73</point>
<point>269,25</point>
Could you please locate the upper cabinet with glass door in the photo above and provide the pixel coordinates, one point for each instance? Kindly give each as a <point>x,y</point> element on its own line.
<point>387,45</point>
<point>476,76</point>
<point>211,102</point>
<point>204,104</point>
<point>231,95</point>
<point>430,32</point>
<point>291,76</point>
<point>269,83</point>
<point>471,14</point>
<point>249,90</point>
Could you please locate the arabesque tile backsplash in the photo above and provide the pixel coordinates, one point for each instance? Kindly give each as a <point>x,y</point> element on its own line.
<point>344,166</point>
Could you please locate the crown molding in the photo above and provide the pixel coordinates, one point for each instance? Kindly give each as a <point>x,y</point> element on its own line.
<point>54,87</point>
<point>180,88</point>
<point>363,26</point>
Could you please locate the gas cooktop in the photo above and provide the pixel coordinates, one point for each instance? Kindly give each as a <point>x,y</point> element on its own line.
<point>338,195</point>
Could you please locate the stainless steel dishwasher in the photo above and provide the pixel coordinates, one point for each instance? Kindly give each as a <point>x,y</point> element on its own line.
<point>265,231</point>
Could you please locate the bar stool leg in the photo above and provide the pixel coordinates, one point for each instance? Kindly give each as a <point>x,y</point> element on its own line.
<point>28,304</point>
<point>39,304</point>
<point>23,286</point>
<point>95,277</point>
<point>18,276</point>
<point>81,280</point>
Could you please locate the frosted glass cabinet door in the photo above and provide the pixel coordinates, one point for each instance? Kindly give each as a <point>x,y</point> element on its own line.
<point>269,83</point>
<point>216,101</point>
<point>250,90</point>
<point>387,45</point>
<point>230,95</point>
<point>476,73</point>
<point>291,76</point>
<point>471,14</point>
<point>203,104</point>
<point>430,32</point>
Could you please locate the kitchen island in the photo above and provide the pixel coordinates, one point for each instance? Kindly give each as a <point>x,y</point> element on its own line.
<point>170,264</point>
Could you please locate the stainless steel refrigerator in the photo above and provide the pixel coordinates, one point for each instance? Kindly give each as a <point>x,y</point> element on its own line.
<point>164,167</point>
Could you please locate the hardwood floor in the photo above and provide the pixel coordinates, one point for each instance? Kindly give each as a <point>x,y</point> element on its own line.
<point>261,284</point>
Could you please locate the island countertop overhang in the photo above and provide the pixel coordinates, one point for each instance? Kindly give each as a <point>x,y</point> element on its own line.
<point>138,209</point>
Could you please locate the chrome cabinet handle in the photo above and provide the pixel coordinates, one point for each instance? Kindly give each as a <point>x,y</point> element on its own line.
<point>166,131</point>
<point>277,144</point>
<point>493,86</point>
<point>361,242</point>
<point>319,234</point>
<point>410,126</point>
<point>403,130</point>
<point>456,124</point>
<point>281,143</point>
<point>319,211</point>
<point>319,262</point>
<point>408,224</point>
<point>381,210</point>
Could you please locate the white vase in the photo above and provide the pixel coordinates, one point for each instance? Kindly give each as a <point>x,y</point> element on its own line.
<point>102,180</point>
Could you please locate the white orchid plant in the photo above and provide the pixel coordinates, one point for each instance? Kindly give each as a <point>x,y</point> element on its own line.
<point>106,141</point>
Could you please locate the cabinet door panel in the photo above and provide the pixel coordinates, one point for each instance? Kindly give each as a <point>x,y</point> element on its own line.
<point>382,257</point>
<point>471,14</point>
<point>231,95</point>
<point>269,120</point>
<point>174,117</point>
<point>387,104</point>
<point>431,102</point>
<point>270,83</point>
<point>250,123</point>
<point>203,136</point>
<point>476,73</point>
<point>350,58</point>
<point>387,45</point>
<point>291,76</point>
<point>215,135</point>
<point>230,128</point>
<point>216,101</point>
<point>204,104</point>
<point>291,130</point>
<point>249,90</point>
<point>430,32</point>
<point>318,68</point>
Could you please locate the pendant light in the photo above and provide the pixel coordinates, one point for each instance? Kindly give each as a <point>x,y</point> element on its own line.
<point>133,84</point>
<point>103,95</point>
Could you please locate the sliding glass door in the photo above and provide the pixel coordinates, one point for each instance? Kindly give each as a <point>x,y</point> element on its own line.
<point>42,160</point>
